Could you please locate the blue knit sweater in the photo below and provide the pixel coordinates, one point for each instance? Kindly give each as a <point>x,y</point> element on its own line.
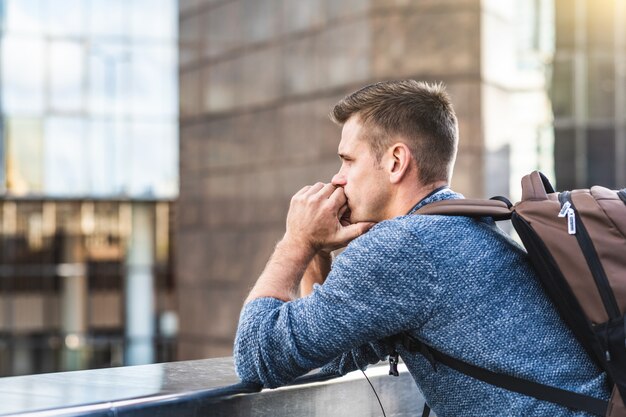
<point>460,285</point>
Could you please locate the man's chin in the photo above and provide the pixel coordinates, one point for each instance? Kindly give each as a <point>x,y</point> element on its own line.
<point>351,217</point>
<point>355,218</point>
<point>361,219</point>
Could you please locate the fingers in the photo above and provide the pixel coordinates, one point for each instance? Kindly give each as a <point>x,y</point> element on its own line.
<point>342,210</point>
<point>327,190</point>
<point>313,189</point>
<point>351,232</point>
<point>320,189</point>
<point>338,198</point>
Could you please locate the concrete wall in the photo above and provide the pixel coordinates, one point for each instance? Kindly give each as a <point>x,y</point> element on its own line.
<point>257,80</point>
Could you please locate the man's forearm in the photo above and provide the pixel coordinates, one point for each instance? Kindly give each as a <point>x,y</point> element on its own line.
<point>282,274</point>
<point>316,272</point>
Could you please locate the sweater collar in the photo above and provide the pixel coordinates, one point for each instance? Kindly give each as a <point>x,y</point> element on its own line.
<point>438,194</point>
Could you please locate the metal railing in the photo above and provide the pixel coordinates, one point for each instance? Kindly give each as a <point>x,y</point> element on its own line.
<point>207,387</point>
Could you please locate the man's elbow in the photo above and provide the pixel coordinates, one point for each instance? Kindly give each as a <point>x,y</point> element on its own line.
<point>255,372</point>
<point>244,359</point>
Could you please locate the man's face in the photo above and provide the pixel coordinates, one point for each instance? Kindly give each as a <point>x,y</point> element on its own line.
<point>363,179</point>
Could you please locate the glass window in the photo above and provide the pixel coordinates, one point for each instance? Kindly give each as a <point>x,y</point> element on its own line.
<point>108,157</point>
<point>89,77</point>
<point>153,82</point>
<point>107,17</point>
<point>109,78</point>
<point>100,157</point>
<point>23,16</point>
<point>66,76</point>
<point>154,163</point>
<point>122,157</point>
<point>66,18</point>
<point>22,75</point>
<point>65,165</point>
<point>153,19</point>
<point>24,155</point>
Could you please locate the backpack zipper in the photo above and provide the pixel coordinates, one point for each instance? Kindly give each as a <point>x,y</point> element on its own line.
<point>568,210</point>
<point>590,253</point>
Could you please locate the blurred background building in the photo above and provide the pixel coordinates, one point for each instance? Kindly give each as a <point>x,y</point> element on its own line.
<point>100,97</point>
<point>89,171</point>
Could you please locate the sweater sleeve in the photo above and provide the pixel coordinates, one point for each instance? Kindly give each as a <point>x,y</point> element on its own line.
<point>377,287</point>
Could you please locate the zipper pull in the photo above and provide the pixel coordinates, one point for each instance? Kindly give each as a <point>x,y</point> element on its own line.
<point>566,206</point>
<point>393,364</point>
<point>571,221</point>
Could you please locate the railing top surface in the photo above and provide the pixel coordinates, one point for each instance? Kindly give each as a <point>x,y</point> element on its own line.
<point>206,387</point>
<point>21,394</point>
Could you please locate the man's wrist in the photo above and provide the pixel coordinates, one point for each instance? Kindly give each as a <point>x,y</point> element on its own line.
<point>295,245</point>
<point>282,274</point>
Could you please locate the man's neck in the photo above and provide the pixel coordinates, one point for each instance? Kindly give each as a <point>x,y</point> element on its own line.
<point>407,198</point>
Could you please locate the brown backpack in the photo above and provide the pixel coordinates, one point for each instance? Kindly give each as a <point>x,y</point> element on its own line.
<point>576,241</point>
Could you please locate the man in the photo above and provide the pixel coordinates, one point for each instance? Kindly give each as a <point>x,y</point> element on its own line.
<point>458,284</point>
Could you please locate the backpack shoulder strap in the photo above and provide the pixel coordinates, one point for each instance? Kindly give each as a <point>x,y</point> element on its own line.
<point>499,208</point>
<point>522,386</point>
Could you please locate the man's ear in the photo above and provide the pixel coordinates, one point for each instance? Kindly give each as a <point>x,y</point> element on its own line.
<point>399,162</point>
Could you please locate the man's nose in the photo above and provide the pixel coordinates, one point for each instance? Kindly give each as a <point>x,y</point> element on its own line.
<point>338,180</point>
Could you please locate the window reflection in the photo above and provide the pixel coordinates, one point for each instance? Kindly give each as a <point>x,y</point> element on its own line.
<point>109,78</point>
<point>106,17</point>
<point>99,77</point>
<point>22,75</point>
<point>154,156</point>
<point>66,76</point>
<point>100,158</point>
<point>66,18</point>
<point>24,155</point>
<point>153,88</point>
<point>108,157</point>
<point>160,25</point>
<point>23,16</point>
<point>64,161</point>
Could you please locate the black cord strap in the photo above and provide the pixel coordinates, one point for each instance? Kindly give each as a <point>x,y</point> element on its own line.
<point>539,391</point>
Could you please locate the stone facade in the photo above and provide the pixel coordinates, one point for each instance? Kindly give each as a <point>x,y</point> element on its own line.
<point>257,80</point>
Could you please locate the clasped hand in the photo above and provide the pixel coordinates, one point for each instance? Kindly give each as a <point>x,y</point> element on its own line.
<point>315,219</point>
